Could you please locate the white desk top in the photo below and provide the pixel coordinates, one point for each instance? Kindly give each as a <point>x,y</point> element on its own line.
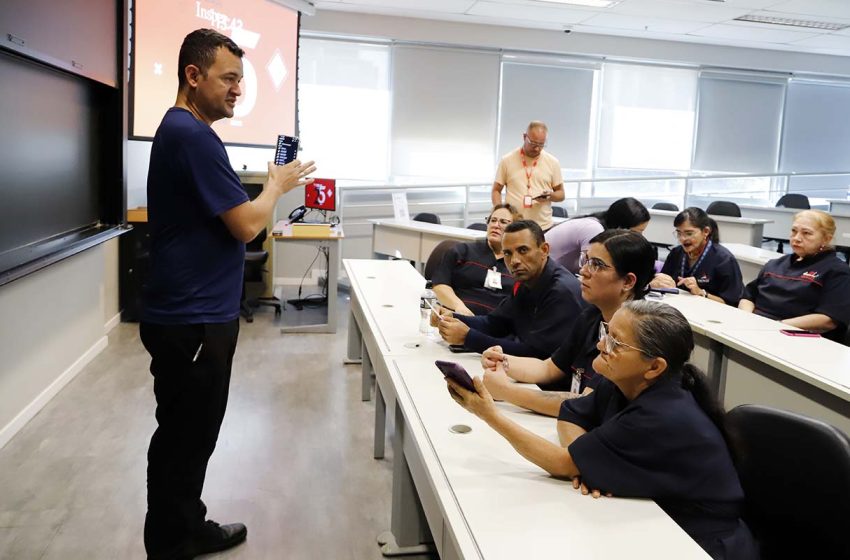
<point>425,227</point>
<point>714,318</point>
<point>671,214</point>
<point>512,508</point>
<point>751,254</point>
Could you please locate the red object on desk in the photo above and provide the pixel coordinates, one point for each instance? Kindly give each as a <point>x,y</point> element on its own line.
<point>321,194</point>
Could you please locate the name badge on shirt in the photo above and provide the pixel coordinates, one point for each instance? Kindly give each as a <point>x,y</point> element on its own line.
<point>527,201</point>
<point>493,280</point>
<point>575,384</point>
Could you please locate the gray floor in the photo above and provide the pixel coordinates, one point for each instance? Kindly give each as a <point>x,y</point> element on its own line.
<point>293,460</point>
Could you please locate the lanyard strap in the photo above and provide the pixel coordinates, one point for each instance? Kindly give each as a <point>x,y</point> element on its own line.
<point>528,172</point>
<point>701,258</point>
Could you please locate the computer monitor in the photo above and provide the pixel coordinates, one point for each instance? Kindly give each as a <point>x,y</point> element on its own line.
<point>321,195</point>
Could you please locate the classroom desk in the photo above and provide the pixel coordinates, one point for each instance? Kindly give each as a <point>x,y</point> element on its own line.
<point>746,230</point>
<point>839,207</point>
<point>750,259</point>
<point>283,232</point>
<point>414,241</point>
<point>784,217</point>
<point>453,489</point>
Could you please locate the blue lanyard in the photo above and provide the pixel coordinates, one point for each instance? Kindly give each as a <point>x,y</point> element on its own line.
<point>696,264</point>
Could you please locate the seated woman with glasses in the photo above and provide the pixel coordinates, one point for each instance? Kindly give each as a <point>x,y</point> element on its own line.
<point>650,430</point>
<point>472,278</point>
<point>699,264</point>
<point>568,239</point>
<point>808,289</point>
<point>615,268</point>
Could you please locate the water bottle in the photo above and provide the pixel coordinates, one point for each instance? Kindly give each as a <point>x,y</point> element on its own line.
<point>427,296</point>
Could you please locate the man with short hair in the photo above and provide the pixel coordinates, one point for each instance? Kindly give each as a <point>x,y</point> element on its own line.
<point>200,219</point>
<point>539,315</point>
<point>532,177</point>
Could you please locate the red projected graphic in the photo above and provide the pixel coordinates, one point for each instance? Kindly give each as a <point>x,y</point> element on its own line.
<point>268,33</point>
<point>321,194</point>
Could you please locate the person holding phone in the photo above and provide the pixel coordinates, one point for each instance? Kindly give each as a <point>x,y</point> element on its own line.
<point>568,239</point>
<point>651,429</point>
<point>615,268</point>
<point>532,177</point>
<point>808,289</point>
<point>200,219</point>
<point>472,278</point>
<point>700,264</point>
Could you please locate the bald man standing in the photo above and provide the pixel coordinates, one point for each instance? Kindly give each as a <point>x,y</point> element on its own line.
<point>532,177</point>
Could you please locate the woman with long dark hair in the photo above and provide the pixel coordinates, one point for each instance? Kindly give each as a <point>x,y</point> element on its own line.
<point>650,430</point>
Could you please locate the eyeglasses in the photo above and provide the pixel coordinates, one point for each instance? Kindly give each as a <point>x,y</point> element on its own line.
<point>503,221</point>
<point>593,264</point>
<point>532,143</point>
<point>686,234</point>
<point>610,343</point>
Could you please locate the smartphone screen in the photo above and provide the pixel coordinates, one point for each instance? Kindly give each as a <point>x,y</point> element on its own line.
<point>809,334</point>
<point>455,371</point>
<point>287,149</point>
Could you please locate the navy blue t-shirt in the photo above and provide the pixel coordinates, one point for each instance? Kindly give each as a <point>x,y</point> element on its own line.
<point>196,264</point>
<point>787,287</point>
<point>575,356</point>
<point>465,267</point>
<point>662,446</point>
<point>718,274</point>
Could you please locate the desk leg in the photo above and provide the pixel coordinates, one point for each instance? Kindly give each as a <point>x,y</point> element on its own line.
<point>408,534</point>
<point>353,354</point>
<point>365,375</point>
<point>380,423</point>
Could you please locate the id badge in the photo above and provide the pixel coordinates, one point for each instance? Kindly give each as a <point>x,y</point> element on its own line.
<point>493,280</point>
<point>575,384</point>
<point>527,201</point>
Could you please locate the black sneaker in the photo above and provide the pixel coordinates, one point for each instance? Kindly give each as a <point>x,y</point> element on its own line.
<point>212,537</point>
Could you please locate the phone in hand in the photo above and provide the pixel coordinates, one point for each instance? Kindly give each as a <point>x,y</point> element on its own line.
<point>810,334</point>
<point>543,196</point>
<point>456,372</point>
<point>287,149</point>
<point>664,290</point>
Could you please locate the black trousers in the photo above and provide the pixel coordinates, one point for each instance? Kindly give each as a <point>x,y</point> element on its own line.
<point>191,369</point>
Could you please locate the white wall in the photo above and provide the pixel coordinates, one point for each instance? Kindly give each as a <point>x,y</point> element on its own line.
<point>54,322</point>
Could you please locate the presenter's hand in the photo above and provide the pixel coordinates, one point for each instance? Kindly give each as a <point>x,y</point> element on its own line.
<point>579,485</point>
<point>452,330</point>
<point>492,357</point>
<point>497,382</point>
<point>480,404</point>
<point>690,284</point>
<point>284,178</point>
<point>662,280</point>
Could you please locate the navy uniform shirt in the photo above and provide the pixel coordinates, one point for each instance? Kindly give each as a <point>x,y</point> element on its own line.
<point>787,288</point>
<point>575,356</point>
<point>662,446</point>
<point>718,273</point>
<point>196,264</point>
<point>465,267</point>
<point>534,320</point>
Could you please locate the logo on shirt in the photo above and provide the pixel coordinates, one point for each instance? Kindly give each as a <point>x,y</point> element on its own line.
<point>704,279</point>
<point>810,275</point>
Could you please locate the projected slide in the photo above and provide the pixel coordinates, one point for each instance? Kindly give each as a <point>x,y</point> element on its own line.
<point>268,33</point>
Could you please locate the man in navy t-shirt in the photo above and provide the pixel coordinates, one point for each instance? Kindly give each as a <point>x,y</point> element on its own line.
<point>200,219</point>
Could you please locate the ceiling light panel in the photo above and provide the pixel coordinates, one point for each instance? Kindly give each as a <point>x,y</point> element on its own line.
<point>793,22</point>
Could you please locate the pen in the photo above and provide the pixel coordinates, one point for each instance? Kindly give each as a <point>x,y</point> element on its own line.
<point>435,311</point>
<point>198,353</point>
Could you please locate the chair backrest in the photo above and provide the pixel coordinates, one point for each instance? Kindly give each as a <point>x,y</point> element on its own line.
<point>477,226</point>
<point>436,256</point>
<point>794,200</point>
<point>723,208</point>
<point>795,471</point>
<point>426,217</point>
<point>665,206</point>
<point>559,212</point>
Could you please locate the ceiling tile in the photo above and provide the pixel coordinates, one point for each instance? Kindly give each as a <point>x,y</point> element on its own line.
<point>711,12</point>
<point>818,8</point>
<point>826,42</point>
<point>530,13</point>
<point>655,25</point>
<point>752,33</point>
<point>448,6</point>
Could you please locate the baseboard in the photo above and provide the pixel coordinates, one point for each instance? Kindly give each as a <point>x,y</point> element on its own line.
<point>18,422</point>
<point>112,323</point>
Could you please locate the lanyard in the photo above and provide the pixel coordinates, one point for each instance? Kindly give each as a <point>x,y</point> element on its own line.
<point>693,269</point>
<point>528,172</point>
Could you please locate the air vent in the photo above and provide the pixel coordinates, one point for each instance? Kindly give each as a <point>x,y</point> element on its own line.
<point>791,22</point>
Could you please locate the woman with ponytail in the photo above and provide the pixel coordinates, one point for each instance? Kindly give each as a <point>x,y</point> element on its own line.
<point>651,429</point>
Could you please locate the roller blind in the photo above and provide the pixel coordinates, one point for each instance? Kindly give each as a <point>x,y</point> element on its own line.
<point>816,134</point>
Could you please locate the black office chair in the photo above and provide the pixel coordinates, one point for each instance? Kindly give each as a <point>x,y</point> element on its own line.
<point>794,200</point>
<point>436,256</point>
<point>665,206</point>
<point>255,260</point>
<point>559,212</point>
<point>795,472</point>
<point>477,226</point>
<point>723,208</point>
<point>427,217</point>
